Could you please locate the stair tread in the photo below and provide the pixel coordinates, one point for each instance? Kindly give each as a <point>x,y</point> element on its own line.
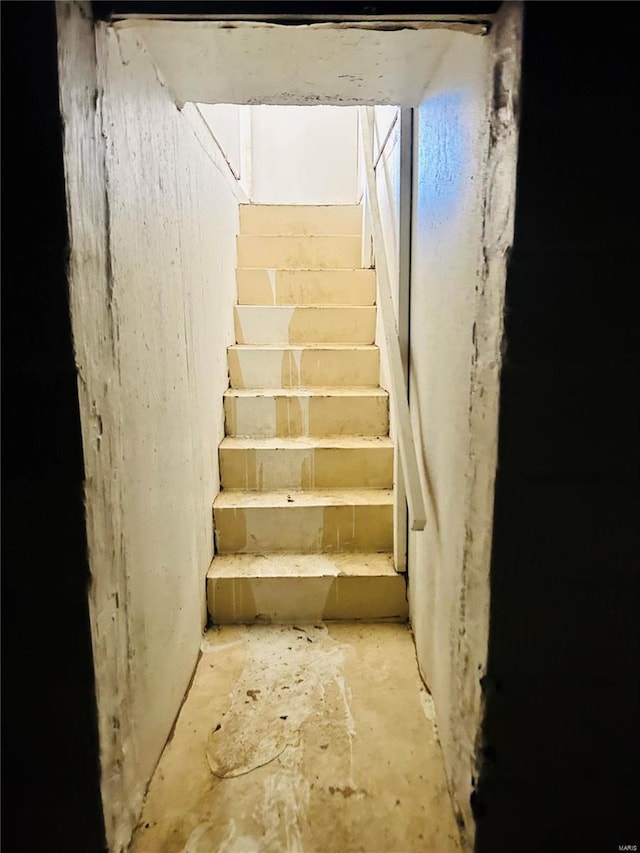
<point>294,205</point>
<point>306,442</point>
<point>312,346</point>
<point>336,287</point>
<point>301,269</point>
<point>325,306</point>
<point>283,205</point>
<point>310,391</point>
<point>312,235</point>
<point>282,565</point>
<point>333,306</point>
<point>314,270</point>
<point>302,251</point>
<point>230,498</point>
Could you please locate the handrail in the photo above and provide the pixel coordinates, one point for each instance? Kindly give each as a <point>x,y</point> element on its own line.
<point>386,139</point>
<point>406,443</point>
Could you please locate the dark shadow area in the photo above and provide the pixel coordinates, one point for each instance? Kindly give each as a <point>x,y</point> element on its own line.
<point>50,769</point>
<point>266,9</point>
<point>561,735</point>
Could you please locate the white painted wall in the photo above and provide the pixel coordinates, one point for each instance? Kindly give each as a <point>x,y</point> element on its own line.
<point>451,151</point>
<point>463,201</point>
<point>230,126</point>
<point>289,154</point>
<point>386,151</point>
<point>388,182</point>
<point>304,155</point>
<point>152,289</point>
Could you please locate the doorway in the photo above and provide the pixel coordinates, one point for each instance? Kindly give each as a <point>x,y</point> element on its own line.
<point>138,297</point>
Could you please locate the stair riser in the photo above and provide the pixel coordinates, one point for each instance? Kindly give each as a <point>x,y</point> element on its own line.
<point>303,368</point>
<point>284,600</point>
<point>304,325</point>
<point>303,529</point>
<point>306,287</point>
<point>293,417</point>
<point>296,219</point>
<point>306,468</point>
<point>325,252</point>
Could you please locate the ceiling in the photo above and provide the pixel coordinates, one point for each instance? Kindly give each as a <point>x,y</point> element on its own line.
<point>340,63</point>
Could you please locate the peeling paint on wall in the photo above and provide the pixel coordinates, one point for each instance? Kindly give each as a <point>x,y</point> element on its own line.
<point>465,193</point>
<point>152,269</point>
<point>343,64</point>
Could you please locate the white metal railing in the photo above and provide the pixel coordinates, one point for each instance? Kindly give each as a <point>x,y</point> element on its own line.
<point>399,402</point>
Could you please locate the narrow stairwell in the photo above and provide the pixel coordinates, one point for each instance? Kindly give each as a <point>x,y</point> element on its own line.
<point>304,519</point>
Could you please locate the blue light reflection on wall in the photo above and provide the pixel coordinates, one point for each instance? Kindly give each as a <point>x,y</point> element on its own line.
<point>442,158</point>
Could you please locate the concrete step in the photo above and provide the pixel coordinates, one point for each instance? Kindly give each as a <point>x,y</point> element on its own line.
<point>269,413</point>
<point>309,324</point>
<point>260,286</point>
<point>319,521</point>
<point>267,464</point>
<point>300,219</point>
<point>285,366</point>
<point>335,251</point>
<point>285,588</point>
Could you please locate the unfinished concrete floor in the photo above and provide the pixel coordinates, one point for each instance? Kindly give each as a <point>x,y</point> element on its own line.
<point>311,738</point>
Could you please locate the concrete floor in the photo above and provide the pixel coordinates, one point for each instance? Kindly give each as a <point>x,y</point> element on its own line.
<point>309,739</point>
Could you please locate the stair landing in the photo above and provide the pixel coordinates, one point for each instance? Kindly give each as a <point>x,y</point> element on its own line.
<point>305,737</point>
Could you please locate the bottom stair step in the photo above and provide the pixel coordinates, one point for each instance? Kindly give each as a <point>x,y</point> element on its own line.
<point>312,522</point>
<point>283,588</point>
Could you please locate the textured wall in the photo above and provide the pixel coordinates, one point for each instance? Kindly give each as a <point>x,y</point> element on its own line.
<point>152,315</point>
<point>464,173</point>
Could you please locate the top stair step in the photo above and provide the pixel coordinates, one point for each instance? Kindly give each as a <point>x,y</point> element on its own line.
<point>300,219</point>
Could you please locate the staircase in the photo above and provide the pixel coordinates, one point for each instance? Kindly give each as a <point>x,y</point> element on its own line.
<point>304,519</point>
